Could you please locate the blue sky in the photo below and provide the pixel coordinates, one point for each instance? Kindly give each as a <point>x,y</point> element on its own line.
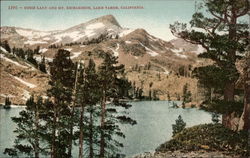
<point>155,17</point>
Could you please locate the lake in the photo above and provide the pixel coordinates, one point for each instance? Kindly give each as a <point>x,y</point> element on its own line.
<point>154,125</point>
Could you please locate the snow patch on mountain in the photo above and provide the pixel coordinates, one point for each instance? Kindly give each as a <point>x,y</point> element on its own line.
<point>128,42</point>
<point>46,38</point>
<point>155,47</point>
<point>30,34</point>
<point>166,72</point>
<point>90,30</point>
<point>30,85</point>
<point>89,33</point>
<point>200,50</point>
<point>152,38</point>
<point>4,50</point>
<point>181,55</point>
<point>150,51</point>
<point>75,35</point>
<point>39,59</point>
<point>95,26</point>
<point>68,49</point>
<point>177,50</point>
<point>32,42</point>
<point>12,61</point>
<point>7,95</point>
<point>116,53</point>
<point>75,55</point>
<point>43,50</point>
<point>26,95</point>
<point>124,32</point>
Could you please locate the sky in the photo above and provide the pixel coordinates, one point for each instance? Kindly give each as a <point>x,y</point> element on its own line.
<point>155,18</point>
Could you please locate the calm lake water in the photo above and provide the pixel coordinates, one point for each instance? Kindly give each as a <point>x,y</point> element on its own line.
<point>154,125</point>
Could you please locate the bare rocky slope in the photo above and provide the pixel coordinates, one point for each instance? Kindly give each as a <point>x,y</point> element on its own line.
<point>20,79</point>
<point>146,58</point>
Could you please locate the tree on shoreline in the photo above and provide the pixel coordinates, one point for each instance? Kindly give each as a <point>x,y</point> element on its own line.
<point>61,82</point>
<point>109,75</point>
<point>224,38</point>
<point>54,123</point>
<point>88,97</point>
<point>29,130</point>
<point>178,126</point>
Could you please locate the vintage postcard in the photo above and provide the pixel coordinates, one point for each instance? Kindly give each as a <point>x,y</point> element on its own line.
<point>124,78</point>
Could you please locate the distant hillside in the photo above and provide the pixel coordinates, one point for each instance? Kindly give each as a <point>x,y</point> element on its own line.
<point>146,58</point>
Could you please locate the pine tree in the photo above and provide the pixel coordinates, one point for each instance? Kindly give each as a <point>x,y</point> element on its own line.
<point>72,110</point>
<point>178,126</point>
<point>30,57</point>
<point>42,65</point>
<point>169,98</point>
<point>92,97</point>
<point>124,87</point>
<point>88,95</point>
<point>29,130</point>
<point>154,95</point>
<point>20,53</point>
<point>186,94</point>
<point>14,50</point>
<point>61,82</point>
<point>134,90</point>
<point>224,38</point>
<point>80,100</point>
<point>6,46</point>
<point>109,73</point>
<point>36,51</point>
<point>181,71</point>
<point>7,101</point>
<point>150,92</point>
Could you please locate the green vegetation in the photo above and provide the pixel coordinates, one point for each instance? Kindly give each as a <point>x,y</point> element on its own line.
<point>215,118</point>
<point>54,125</point>
<point>27,55</point>
<point>178,126</point>
<point>186,94</point>
<point>217,27</point>
<point>7,101</point>
<point>29,130</point>
<point>208,137</point>
<point>42,65</point>
<point>5,45</point>
<point>109,72</point>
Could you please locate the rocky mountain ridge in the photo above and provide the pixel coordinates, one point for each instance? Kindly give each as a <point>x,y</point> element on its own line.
<point>146,57</point>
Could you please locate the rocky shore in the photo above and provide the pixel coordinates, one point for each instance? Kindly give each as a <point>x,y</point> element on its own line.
<point>192,154</point>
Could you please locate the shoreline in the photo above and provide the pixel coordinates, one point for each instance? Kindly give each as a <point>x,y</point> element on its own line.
<point>191,154</point>
<point>123,100</point>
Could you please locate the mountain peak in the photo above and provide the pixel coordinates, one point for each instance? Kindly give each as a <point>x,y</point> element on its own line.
<point>106,19</point>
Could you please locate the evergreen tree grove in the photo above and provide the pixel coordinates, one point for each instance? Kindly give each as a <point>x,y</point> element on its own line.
<point>29,130</point>
<point>83,105</point>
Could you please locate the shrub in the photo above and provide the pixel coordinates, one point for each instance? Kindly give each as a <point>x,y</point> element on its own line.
<point>178,126</point>
<point>215,118</point>
<point>209,137</point>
